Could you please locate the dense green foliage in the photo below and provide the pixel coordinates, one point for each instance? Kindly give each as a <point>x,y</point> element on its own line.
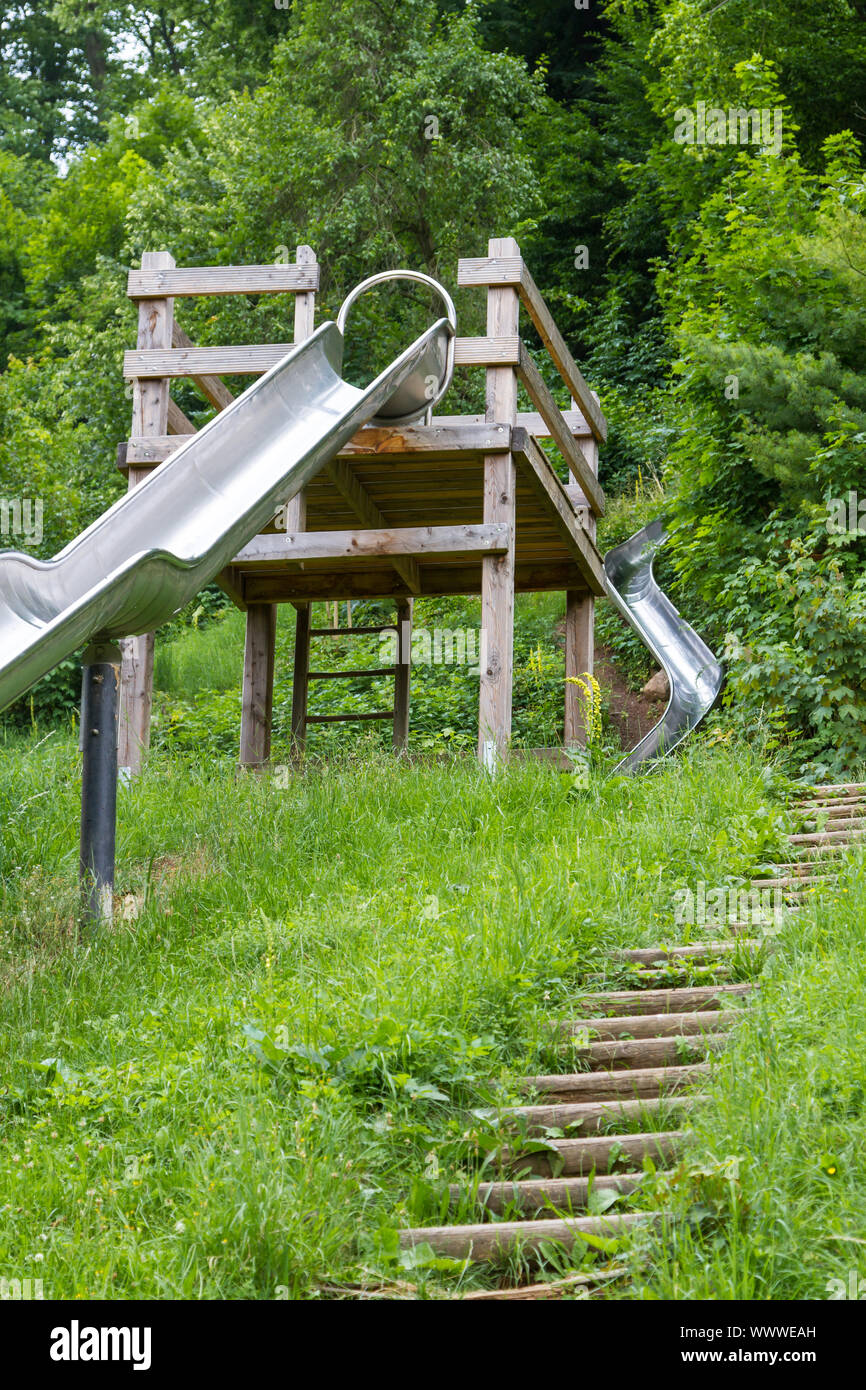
<point>719,307</point>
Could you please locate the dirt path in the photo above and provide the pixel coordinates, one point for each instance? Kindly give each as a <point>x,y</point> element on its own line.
<point>631,714</point>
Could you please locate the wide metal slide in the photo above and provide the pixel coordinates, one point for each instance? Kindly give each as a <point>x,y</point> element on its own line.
<point>151,553</point>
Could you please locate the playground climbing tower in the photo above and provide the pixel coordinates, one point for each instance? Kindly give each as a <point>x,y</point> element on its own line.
<point>456,505</point>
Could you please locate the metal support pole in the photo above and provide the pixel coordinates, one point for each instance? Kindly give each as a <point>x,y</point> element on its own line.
<point>100,686</point>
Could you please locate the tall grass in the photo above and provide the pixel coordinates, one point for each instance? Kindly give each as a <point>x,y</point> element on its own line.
<point>236,1091</point>
<point>199,659</point>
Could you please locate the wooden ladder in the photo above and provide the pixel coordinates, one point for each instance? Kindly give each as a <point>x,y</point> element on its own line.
<point>401,671</point>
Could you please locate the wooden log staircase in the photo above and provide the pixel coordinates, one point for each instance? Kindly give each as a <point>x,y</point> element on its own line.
<point>640,1063</point>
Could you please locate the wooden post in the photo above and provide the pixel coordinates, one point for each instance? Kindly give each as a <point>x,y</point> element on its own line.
<point>296,520</point>
<point>579,659</point>
<point>403,675</point>
<point>497,571</point>
<point>150,402</point>
<point>579,629</point>
<point>305,322</point>
<point>301,681</point>
<point>258,691</point>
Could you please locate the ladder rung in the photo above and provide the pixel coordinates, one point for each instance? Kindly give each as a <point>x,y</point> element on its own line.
<point>350,631</point>
<point>348,718</point>
<point>344,675</point>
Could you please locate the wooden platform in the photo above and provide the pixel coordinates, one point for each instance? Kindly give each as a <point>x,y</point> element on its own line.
<point>419,497</point>
<point>416,495</point>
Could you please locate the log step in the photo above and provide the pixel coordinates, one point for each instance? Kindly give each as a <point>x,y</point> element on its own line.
<point>596,1153</point>
<point>803,868</point>
<point>543,1195</point>
<point>587,1116</point>
<point>581,1284</point>
<point>648,954</point>
<point>656,1001</point>
<point>579,1086</point>
<point>834,809</point>
<point>827,837</point>
<point>840,822</point>
<point>667,1025</point>
<point>650,1051</point>
<point>801,883</point>
<point>491,1238</point>
<point>834,788</point>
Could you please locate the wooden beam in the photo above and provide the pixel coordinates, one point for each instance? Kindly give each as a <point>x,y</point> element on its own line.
<point>514,271</point>
<point>570,450</point>
<point>579,660</point>
<point>136,701</point>
<point>301,679</point>
<point>421,542</point>
<point>151,282</point>
<point>500,505</point>
<point>454,434</point>
<point>150,416</point>
<point>305,322</point>
<point>403,676</point>
<point>178,423</point>
<point>150,451</point>
<point>530,420</point>
<point>266,586</point>
<point>438,438</point>
<point>258,684</point>
<point>254,359</point>
<point>350,717</point>
<point>496,350</point>
<point>367,511</point>
<point>560,355</point>
<point>213,390</point>
<point>231,582</point>
<point>536,468</point>
<point>489,270</point>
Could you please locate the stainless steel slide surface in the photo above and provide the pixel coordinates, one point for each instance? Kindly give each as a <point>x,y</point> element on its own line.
<point>694,674</point>
<point>151,552</point>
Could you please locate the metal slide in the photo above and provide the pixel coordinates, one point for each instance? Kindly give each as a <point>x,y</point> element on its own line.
<point>151,552</point>
<point>694,674</point>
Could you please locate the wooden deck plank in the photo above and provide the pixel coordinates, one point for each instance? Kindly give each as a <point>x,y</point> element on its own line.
<point>417,541</point>
<point>254,359</point>
<point>149,283</point>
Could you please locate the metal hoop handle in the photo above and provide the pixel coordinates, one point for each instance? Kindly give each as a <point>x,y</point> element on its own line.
<point>420,278</point>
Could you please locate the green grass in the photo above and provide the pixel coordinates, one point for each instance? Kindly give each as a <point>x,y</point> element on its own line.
<point>238,1093</point>
<point>199,659</point>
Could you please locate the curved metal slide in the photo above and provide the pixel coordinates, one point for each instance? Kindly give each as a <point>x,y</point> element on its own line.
<point>151,552</point>
<point>694,675</point>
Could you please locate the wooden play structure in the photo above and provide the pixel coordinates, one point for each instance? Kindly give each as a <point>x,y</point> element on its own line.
<point>456,505</point>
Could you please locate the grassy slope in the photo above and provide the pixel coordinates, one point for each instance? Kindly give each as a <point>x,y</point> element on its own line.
<point>395,933</point>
